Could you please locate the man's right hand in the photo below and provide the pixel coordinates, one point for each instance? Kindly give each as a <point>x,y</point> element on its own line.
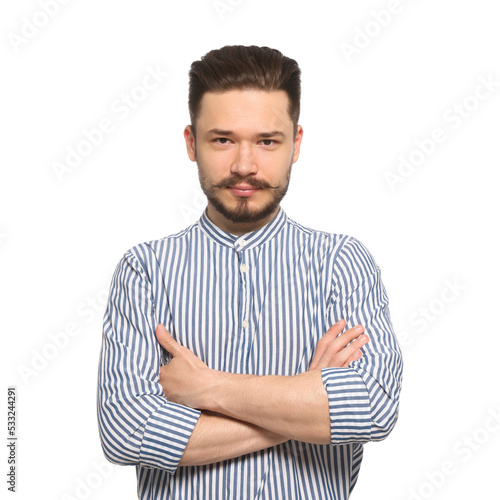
<point>333,350</point>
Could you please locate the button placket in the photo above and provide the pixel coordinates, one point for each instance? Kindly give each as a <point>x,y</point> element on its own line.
<point>245,283</point>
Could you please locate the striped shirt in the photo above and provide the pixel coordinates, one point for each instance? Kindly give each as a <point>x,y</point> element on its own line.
<point>255,304</point>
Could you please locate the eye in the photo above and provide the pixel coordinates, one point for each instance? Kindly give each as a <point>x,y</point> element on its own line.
<point>222,140</point>
<point>268,142</point>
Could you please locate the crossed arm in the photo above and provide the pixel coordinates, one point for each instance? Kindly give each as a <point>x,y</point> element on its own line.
<point>139,426</point>
<point>246,413</point>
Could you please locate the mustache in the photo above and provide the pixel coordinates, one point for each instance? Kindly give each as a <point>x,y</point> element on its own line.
<point>251,181</point>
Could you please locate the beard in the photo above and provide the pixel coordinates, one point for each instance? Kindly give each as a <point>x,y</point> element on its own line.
<point>243,212</point>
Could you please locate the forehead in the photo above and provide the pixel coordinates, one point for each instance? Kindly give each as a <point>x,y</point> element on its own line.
<point>245,110</point>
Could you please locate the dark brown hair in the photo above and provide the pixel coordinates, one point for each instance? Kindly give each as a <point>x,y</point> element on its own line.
<point>237,67</point>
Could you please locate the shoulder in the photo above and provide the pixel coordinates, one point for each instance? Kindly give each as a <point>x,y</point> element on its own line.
<point>148,254</point>
<point>343,250</point>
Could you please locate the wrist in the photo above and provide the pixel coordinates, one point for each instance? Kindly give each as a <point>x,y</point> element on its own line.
<point>212,389</point>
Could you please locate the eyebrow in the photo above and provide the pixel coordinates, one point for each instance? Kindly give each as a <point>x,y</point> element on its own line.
<point>262,135</point>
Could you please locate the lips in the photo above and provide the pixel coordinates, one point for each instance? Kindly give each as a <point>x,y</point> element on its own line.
<point>243,190</point>
<point>243,187</point>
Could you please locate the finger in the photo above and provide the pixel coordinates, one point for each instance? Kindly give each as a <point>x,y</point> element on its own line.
<point>353,351</point>
<point>348,336</point>
<point>357,355</point>
<point>336,344</point>
<point>333,331</point>
<point>166,340</point>
<point>340,350</point>
<point>323,343</point>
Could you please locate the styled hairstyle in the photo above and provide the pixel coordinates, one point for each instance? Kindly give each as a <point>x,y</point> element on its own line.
<point>237,67</point>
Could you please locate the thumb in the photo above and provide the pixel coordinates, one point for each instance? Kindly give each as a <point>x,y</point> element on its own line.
<point>166,340</point>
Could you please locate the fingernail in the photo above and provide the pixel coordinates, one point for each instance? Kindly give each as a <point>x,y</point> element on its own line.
<point>339,322</point>
<point>359,328</point>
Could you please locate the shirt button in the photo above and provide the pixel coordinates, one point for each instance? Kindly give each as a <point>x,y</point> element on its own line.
<point>245,323</point>
<point>243,268</point>
<point>243,243</point>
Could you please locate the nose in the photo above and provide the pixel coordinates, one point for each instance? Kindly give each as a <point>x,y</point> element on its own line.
<point>244,162</point>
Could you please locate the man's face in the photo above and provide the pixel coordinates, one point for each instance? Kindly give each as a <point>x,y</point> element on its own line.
<point>244,149</point>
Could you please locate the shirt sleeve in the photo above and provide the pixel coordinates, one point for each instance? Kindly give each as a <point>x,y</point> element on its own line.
<point>364,397</point>
<point>137,424</point>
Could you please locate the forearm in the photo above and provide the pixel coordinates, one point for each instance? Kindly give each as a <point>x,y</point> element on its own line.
<point>293,406</point>
<point>218,437</point>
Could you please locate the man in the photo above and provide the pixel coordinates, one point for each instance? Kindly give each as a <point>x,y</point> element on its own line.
<point>255,394</point>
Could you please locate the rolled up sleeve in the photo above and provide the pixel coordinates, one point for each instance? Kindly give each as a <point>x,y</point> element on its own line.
<point>137,424</point>
<point>364,397</point>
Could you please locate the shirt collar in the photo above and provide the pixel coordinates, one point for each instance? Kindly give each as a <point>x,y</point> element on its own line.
<point>247,240</point>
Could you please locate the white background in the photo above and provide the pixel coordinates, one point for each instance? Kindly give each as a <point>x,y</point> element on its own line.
<point>434,235</point>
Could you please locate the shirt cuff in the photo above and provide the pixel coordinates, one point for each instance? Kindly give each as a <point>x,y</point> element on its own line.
<point>349,405</point>
<point>166,435</point>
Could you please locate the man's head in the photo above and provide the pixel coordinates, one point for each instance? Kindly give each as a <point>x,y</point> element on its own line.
<point>244,134</point>
<point>237,67</point>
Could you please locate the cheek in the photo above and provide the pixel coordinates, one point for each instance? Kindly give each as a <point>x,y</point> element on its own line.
<point>214,160</point>
<point>274,164</point>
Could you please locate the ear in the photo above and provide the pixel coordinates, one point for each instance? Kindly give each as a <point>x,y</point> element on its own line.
<point>297,143</point>
<point>190,143</point>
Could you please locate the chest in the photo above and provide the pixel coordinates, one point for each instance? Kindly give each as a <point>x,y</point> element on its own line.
<point>259,311</point>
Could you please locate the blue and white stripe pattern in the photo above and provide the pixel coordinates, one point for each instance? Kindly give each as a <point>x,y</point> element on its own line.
<point>256,303</point>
